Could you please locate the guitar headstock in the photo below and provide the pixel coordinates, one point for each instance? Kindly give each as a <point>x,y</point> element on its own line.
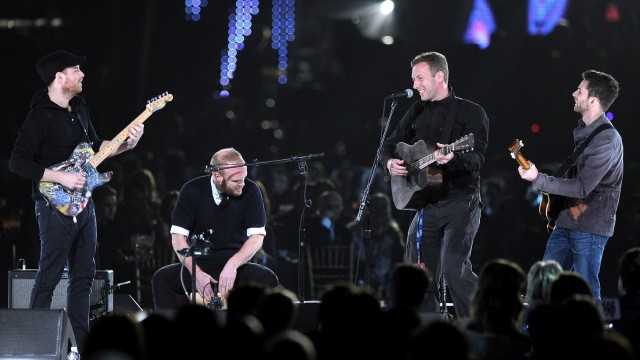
<point>465,143</point>
<point>515,147</point>
<point>516,154</point>
<point>159,102</point>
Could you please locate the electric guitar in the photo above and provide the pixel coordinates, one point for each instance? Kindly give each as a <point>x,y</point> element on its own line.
<point>71,202</point>
<point>410,192</point>
<point>550,204</point>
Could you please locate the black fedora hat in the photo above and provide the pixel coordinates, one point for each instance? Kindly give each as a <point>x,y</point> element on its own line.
<point>56,61</point>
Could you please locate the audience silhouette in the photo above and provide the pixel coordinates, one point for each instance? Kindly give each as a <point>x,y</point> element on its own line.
<point>540,277</point>
<point>495,324</point>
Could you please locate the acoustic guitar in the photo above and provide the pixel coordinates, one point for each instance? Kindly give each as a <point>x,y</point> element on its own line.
<point>408,192</point>
<point>71,202</point>
<point>550,204</point>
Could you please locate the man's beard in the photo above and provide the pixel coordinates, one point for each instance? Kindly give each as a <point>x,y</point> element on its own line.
<point>73,90</point>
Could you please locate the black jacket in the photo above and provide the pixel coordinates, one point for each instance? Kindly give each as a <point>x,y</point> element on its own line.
<point>426,120</point>
<point>49,135</point>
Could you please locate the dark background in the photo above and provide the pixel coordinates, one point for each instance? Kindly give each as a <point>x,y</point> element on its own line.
<point>333,102</point>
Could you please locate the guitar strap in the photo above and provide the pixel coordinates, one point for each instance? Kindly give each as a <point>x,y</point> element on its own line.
<point>85,125</point>
<point>83,118</point>
<point>571,160</point>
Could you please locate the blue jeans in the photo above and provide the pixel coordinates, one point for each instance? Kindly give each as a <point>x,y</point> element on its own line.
<point>578,251</point>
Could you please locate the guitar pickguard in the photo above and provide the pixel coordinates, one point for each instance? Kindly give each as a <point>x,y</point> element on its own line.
<point>72,202</point>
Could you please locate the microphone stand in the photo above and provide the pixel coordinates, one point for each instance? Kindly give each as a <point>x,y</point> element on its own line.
<point>365,194</point>
<point>302,166</point>
<point>199,245</point>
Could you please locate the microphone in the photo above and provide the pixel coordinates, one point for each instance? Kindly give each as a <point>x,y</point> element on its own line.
<point>406,93</point>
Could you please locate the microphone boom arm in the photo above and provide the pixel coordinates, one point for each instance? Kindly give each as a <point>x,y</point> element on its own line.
<point>209,169</point>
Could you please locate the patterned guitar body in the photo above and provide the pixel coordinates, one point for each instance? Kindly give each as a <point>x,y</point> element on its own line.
<point>72,202</point>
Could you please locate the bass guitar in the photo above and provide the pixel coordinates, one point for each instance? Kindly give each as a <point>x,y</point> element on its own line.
<point>71,202</point>
<point>411,191</point>
<point>550,204</point>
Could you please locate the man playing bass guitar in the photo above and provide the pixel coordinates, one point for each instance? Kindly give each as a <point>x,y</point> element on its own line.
<point>591,188</point>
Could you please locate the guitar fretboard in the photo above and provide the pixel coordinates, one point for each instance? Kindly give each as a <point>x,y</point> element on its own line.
<point>430,159</point>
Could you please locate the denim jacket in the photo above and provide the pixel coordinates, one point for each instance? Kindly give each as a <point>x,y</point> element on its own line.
<point>592,187</point>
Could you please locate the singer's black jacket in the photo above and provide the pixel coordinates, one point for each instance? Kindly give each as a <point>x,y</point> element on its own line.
<point>426,120</point>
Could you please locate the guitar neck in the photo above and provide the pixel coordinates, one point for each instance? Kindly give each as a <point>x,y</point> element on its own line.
<point>115,143</point>
<point>514,149</point>
<point>522,161</point>
<point>426,161</point>
<point>431,158</point>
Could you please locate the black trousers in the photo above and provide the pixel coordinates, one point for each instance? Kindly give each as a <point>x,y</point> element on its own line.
<point>166,283</point>
<point>449,227</point>
<point>65,241</point>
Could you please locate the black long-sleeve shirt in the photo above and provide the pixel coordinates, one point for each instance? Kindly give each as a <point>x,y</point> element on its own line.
<point>426,120</point>
<point>49,135</point>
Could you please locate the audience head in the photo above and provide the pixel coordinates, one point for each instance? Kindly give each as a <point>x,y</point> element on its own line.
<point>106,201</point>
<point>440,340</point>
<point>330,205</point>
<point>289,344</point>
<point>159,335</point>
<point>541,276</point>
<point>244,299</point>
<point>629,272</point>
<point>407,286</point>
<point>277,310</point>
<point>496,304</point>
<point>567,284</point>
<point>194,326</point>
<point>167,204</point>
<point>344,307</point>
<point>380,207</point>
<point>584,315</point>
<point>242,338</point>
<point>116,336</point>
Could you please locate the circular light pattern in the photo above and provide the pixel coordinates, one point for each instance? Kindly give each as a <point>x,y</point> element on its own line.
<point>193,8</point>
<point>283,31</point>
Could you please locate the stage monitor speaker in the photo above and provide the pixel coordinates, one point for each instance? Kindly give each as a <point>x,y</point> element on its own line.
<point>35,334</point>
<point>21,283</point>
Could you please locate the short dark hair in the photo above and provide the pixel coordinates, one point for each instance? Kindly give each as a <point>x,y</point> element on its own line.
<point>437,62</point>
<point>602,86</point>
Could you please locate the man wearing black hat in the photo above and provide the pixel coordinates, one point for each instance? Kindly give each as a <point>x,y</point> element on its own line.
<point>57,122</point>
